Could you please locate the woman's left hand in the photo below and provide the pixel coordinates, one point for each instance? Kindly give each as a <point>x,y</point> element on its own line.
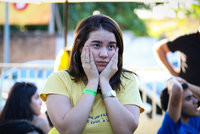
<point>111,68</point>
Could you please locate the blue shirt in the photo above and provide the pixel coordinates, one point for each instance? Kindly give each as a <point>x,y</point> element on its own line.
<point>171,127</point>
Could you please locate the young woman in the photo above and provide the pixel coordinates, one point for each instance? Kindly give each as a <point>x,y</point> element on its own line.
<point>95,95</point>
<point>23,103</point>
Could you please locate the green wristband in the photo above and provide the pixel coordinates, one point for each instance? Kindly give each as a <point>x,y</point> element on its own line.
<point>90,91</point>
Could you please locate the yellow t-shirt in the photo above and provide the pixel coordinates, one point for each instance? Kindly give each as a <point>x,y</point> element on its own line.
<point>98,123</point>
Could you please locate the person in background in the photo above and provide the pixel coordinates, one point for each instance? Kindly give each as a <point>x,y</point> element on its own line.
<point>179,101</point>
<point>95,95</point>
<point>23,102</point>
<point>189,48</point>
<point>19,127</point>
<point>62,60</point>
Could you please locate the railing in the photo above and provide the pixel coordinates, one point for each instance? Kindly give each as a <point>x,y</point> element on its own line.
<point>151,120</point>
<point>153,76</point>
<point>12,72</point>
<point>5,68</point>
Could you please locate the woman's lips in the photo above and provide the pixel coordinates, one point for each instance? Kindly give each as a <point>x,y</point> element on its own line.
<point>101,63</point>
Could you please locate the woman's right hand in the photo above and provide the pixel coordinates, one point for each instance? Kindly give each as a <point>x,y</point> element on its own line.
<point>88,64</point>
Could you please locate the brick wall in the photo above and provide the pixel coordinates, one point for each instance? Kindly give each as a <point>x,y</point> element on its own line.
<point>29,46</point>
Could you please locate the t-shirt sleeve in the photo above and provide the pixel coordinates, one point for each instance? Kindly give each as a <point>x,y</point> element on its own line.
<point>56,84</point>
<point>129,93</point>
<point>177,44</point>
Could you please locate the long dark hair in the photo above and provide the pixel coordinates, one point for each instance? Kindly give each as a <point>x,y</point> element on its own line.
<point>82,32</point>
<point>18,103</point>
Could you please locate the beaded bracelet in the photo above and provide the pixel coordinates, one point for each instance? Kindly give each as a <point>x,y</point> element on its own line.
<point>90,91</point>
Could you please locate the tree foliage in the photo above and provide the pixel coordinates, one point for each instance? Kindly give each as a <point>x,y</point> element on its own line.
<point>192,11</point>
<point>122,13</point>
<point>195,10</point>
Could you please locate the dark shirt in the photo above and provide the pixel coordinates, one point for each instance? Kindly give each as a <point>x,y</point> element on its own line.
<point>189,48</point>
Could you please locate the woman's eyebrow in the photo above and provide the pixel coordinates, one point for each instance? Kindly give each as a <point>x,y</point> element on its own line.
<point>112,42</point>
<point>97,41</point>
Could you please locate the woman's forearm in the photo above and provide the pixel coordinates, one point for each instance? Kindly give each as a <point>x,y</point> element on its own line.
<point>122,120</point>
<point>69,119</point>
<point>77,117</point>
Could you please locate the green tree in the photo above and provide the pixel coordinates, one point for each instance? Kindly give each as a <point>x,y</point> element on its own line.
<point>195,10</point>
<point>123,13</point>
<point>192,11</point>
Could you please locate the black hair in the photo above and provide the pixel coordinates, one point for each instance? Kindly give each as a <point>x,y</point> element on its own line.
<point>49,120</point>
<point>18,102</point>
<point>164,96</point>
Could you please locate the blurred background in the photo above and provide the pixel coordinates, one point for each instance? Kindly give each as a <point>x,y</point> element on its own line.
<point>32,34</point>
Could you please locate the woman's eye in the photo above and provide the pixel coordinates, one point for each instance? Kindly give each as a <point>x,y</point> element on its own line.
<point>96,45</point>
<point>111,47</point>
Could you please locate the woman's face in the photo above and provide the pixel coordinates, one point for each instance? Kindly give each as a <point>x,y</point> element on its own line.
<point>102,44</point>
<point>36,103</point>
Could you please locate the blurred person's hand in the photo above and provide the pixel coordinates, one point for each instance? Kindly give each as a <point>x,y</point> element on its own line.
<point>172,84</point>
<point>181,80</point>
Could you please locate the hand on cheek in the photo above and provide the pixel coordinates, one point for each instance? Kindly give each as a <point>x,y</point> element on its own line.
<point>111,68</point>
<point>88,64</point>
<point>85,55</point>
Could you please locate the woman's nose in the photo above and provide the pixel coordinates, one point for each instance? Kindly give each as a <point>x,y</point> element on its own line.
<point>103,53</point>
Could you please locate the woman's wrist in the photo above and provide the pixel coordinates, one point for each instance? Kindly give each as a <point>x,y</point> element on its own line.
<point>93,82</point>
<point>90,91</point>
<point>103,80</point>
<point>105,86</point>
<point>103,83</point>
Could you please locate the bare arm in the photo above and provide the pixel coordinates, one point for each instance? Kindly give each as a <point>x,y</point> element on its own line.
<point>67,119</point>
<point>161,51</point>
<point>175,99</point>
<point>123,119</point>
<point>194,88</point>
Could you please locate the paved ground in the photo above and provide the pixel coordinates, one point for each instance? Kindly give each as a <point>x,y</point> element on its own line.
<point>147,125</point>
